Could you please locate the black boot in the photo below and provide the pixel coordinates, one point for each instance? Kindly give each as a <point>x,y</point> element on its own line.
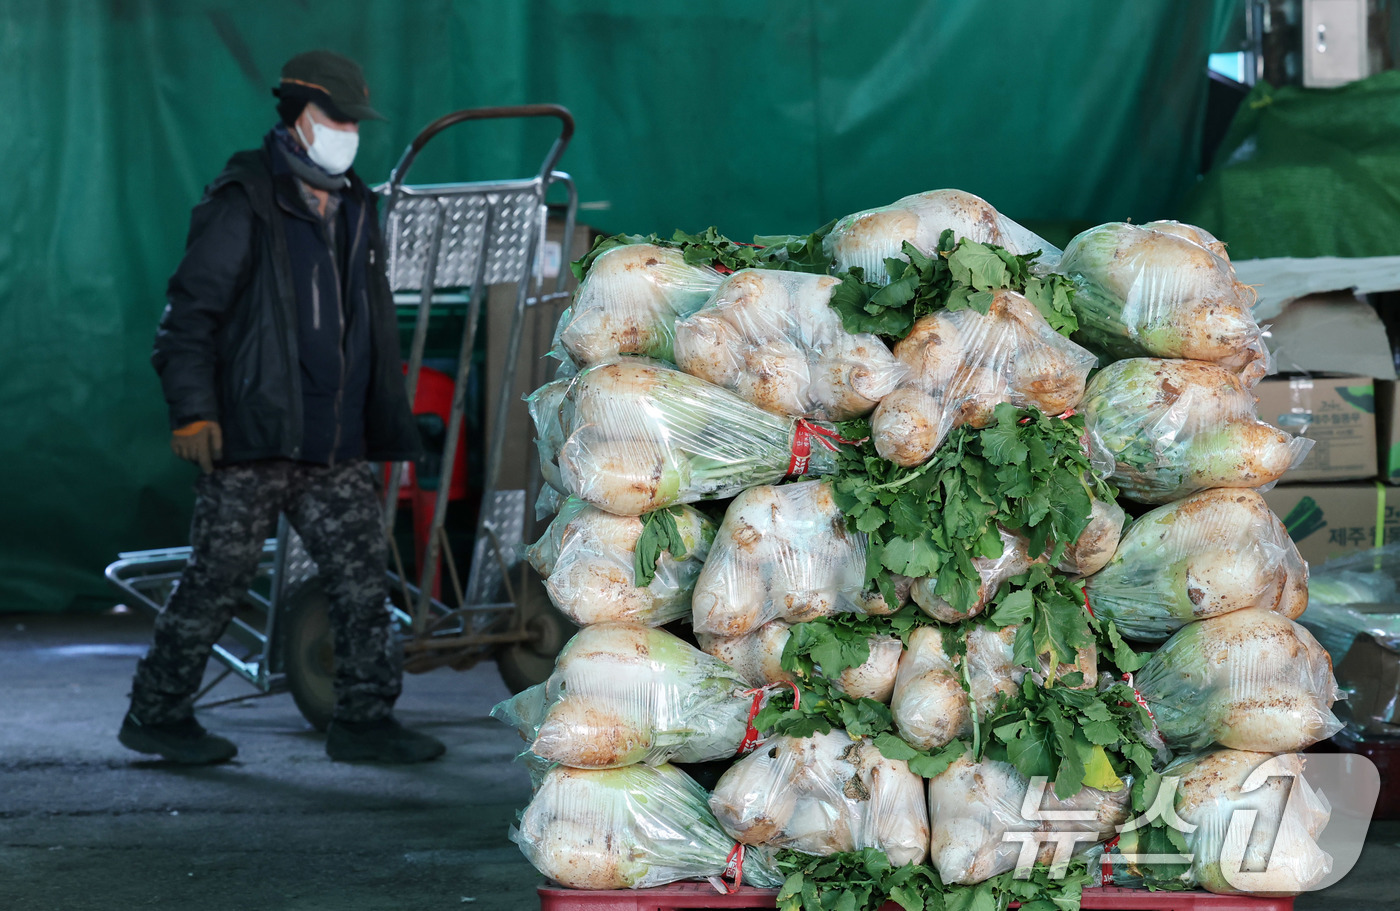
<point>384,740</point>
<point>185,742</point>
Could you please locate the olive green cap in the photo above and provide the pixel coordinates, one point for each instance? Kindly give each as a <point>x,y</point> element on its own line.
<point>334,82</point>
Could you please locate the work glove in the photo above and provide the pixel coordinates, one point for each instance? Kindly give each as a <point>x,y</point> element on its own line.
<point>201,442</point>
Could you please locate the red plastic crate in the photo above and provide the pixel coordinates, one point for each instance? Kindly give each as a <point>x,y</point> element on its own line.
<point>703,895</point>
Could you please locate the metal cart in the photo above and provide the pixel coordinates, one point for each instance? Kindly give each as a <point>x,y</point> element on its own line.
<point>445,243</point>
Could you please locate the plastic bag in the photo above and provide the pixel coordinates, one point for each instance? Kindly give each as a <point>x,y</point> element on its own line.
<point>1176,427</point>
<point>1356,595</point>
<point>757,658</point>
<point>1214,552</point>
<point>963,364</point>
<point>625,693</point>
<point>641,436</point>
<point>993,571</point>
<point>629,828</point>
<point>974,805</point>
<point>629,302</point>
<point>587,558</point>
<point>935,694</point>
<point>544,406</point>
<point>1276,850</point>
<point>773,338</point>
<point>1166,290</point>
<point>1097,543</point>
<point>822,795</point>
<point>782,553</point>
<point>866,239</point>
<point>1248,680</point>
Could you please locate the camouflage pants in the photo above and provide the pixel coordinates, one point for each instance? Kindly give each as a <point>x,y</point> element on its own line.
<point>336,512</point>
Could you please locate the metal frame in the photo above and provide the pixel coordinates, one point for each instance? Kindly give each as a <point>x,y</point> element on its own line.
<point>489,232</point>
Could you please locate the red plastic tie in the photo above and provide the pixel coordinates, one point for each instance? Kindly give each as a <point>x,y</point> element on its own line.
<point>1137,694</point>
<point>1068,413</point>
<point>1106,866</point>
<point>802,445</point>
<point>751,735</point>
<point>1086,603</point>
<point>734,866</point>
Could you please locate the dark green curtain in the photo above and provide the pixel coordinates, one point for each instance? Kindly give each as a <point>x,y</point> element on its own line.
<point>759,117</point>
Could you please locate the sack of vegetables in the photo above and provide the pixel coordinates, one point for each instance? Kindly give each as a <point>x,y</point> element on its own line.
<point>866,239</point>
<point>782,553</point>
<point>629,302</point>
<point>1248,680</point>
<point>936,693</point>
<point>1175,427</point>
<point>974,806</point>
<point>640,435</point>
<point>992,571</point>
<point>963,364</point>
<point>1163,289</point>
<point>588,559</point>
<point>757,657</point>
<point>773,338</point>
<point>1273,853</point>
<point>822,795</point>
<point>631,828</point>
<point>1214,552</point>
<point>624,693</point>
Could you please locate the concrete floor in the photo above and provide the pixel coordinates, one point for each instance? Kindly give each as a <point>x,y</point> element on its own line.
<point>85,825</point>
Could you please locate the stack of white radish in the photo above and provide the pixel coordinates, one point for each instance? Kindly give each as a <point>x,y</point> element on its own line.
<point>684,385</point>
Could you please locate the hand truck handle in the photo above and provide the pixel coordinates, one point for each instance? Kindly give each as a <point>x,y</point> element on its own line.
<point>522,110</point>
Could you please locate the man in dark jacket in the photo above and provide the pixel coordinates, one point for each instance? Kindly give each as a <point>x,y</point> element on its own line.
<point>278,353</point>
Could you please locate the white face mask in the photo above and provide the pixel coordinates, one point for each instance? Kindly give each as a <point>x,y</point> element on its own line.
<point>334,150</point>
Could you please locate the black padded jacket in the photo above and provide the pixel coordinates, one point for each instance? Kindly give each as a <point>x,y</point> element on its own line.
<point>226,349</point>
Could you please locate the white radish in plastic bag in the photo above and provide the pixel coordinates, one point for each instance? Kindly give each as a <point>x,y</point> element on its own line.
<point>1248,680</point>
<point>1251,813</point>
<point>629,828</point>
<point>1280,844</point>
<point>757,657</point>
<point>1174,427</point>
<point>781,553</point>
<point>973,805</point>
<point>629,302</point>
<point>642,436</point>
<point>587,558</point>
<point>1097,543</point>
<point>1164,290</point>
<point>935,695</point>
<point>993,571</point>
<point>1214,552</point>
<point>866,239</point>
<point>625,693</point>
<point>963,364</point>
<point>822,795</point>
<point>773,338</point>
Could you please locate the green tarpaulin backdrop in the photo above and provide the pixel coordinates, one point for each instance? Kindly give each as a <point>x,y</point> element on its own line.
<point>756,116</point>
<point>1308,172</point>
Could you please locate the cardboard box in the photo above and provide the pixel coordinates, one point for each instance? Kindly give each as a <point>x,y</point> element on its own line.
<point>533,369</point>
<point>1337,412</point>
<point>1329,520</point>
<point>1388,431</point>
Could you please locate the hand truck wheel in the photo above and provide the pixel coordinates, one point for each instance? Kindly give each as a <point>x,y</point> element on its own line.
<point>524,664</point>
<point>308,656</point>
